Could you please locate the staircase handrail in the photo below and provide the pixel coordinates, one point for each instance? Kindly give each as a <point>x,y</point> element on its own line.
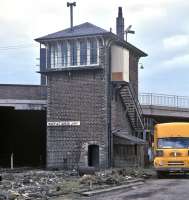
<point>136,103</point>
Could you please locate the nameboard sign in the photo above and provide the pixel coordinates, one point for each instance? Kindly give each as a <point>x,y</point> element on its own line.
<point>64,123</point>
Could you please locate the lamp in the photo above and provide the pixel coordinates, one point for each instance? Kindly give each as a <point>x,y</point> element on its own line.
<point>141,65</point>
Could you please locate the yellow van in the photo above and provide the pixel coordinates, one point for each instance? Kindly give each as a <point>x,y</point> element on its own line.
<point>171,148</point>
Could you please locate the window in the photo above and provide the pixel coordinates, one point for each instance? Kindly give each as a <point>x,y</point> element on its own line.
<point>174,142</point>
<point>83,52</point>
<point>54,55</point>
<point>48,56</point>
<point>93,52</point>
<point>73,53</point>
<point>64,54</point>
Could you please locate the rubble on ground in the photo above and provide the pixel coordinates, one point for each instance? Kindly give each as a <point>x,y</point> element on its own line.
<point>36,184</point>
<point>43,184</point>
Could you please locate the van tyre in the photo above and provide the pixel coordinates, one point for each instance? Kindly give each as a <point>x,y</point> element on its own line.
<point>160,174</point>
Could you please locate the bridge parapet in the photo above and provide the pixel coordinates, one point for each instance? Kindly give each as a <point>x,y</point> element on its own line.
<point>23,97</point>
<point>18,104</point>
<point>164,100</point>
<point>167,106</point>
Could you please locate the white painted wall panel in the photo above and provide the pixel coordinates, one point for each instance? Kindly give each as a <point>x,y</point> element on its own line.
<point>120,61</point>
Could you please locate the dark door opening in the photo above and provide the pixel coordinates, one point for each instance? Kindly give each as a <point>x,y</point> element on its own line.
<point>23,133</point>
<point>93,155</point>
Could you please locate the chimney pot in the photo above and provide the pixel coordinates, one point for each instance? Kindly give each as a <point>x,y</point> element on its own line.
<point>120,14</point>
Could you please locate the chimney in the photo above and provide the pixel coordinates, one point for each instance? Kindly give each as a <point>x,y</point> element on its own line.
<point>120,24</point>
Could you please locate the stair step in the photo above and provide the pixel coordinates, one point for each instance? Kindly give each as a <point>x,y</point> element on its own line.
<point>131,108</point>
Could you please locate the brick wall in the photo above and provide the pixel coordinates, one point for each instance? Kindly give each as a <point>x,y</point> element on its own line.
<point>26,92</point>
<point>119,119</point>
<point>76,96</point>
<point>133,71</point>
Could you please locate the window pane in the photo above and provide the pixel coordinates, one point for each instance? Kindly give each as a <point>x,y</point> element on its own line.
<point>54,55</point>
<point>59,52</point>
<point>93,52</point>
<point>73,53</point>
<point>49,56</point>
<point>64,54</point>
<point>83,52</point>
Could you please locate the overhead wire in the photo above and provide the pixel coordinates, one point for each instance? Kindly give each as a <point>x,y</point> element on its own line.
<point>19,46</point>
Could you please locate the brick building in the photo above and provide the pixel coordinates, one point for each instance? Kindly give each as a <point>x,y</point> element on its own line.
<point>22,125</point>
<point>93,114</point>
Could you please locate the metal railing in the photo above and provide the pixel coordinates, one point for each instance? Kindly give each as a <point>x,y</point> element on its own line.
<point>164,100</point>
<point>136,104</point>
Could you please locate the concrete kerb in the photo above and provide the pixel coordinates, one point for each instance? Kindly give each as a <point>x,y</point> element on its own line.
<point>128,184</point>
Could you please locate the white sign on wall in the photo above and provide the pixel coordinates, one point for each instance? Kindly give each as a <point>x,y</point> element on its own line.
<point>64,123</point>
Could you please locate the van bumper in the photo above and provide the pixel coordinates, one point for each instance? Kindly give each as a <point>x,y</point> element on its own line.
<point>172,169</point>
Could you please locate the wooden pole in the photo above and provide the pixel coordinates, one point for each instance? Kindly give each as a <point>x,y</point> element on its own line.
<point>12,160</point>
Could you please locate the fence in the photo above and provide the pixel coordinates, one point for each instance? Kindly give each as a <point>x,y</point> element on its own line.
<point>164,100</point>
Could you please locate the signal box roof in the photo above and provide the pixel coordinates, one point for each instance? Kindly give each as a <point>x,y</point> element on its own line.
<point>88,29</point>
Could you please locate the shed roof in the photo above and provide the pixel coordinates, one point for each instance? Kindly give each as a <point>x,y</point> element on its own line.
<point>132,139</point>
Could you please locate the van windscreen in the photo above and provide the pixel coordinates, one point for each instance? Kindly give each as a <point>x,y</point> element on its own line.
<point>173,142</point>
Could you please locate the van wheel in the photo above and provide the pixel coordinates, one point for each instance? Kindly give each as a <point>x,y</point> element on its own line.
<point>161,174</point>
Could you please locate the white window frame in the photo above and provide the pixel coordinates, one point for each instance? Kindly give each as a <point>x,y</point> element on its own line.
<point>56,53</point>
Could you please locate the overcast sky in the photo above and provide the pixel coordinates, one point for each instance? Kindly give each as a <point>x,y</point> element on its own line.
<point>162,31</point>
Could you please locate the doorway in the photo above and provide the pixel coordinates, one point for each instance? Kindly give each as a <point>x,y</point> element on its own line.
<point>23,135</point>
<point>93,156</point>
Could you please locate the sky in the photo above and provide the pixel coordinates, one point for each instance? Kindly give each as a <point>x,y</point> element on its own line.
<point>161,30</point>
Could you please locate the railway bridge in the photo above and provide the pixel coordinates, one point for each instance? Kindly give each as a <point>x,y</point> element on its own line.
<point>161,108</point>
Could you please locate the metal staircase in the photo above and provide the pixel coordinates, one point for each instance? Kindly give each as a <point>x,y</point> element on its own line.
<point>133,108</point>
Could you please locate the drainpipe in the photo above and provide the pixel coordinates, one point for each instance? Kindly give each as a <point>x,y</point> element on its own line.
<point>109,107</point>
<point>109,96</point>
<point>109,99</point>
